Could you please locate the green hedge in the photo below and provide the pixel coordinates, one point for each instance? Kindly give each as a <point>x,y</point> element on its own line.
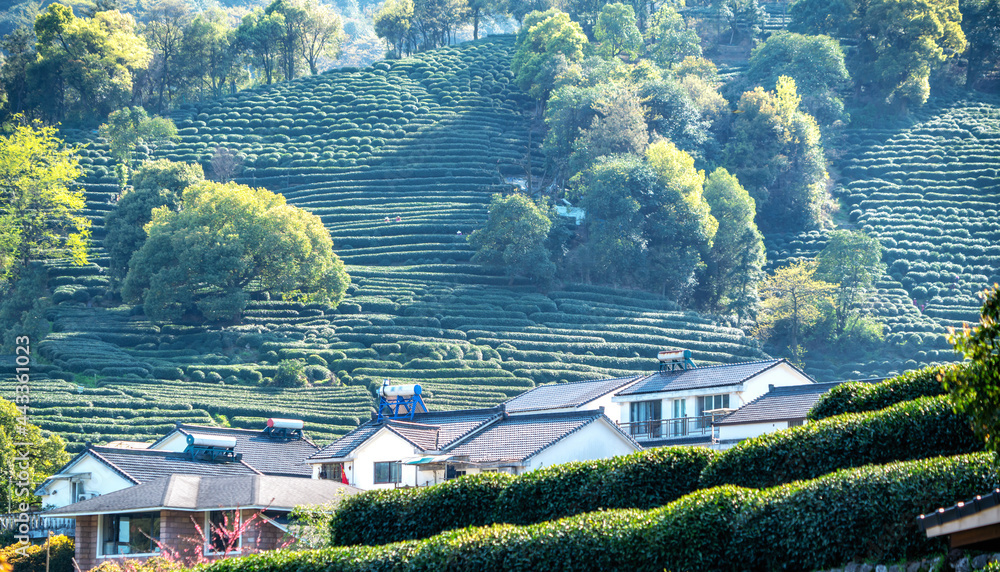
<point>855,397</point>
<point>917,429</point>
<point>644,479</point>
<point>865,513</point>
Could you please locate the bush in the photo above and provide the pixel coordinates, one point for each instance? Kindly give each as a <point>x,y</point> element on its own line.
<point>866,513</point>
<point>384,516</point>
<point>922,428</point>
<point>644,479</point>
<point>855,397</point>
<point>33,558</point>
<point>291,373</point>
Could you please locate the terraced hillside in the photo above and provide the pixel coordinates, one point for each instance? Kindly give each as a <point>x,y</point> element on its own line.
<point>931,194</point>
<point>426,139</point>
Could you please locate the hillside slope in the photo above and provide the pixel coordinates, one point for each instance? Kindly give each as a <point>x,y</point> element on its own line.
<point>427,139</point>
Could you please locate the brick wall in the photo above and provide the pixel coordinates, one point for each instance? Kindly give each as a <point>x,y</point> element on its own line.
<point>179,536</point>
<point>86,542</point>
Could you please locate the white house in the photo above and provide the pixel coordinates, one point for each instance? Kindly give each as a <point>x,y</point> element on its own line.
<point>779,408</point>
<point>439,445</point>
<point>677,405</point>
<point>101,470</point>
<point>576,396</point>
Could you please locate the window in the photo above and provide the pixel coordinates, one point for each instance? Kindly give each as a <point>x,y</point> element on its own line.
<point>710,402</point>
<point>388,472</point>
<point>223,531</point>
<point>332,471</point>
<point>135,533</point>
<point>679,427</point>
<point>645,418</point>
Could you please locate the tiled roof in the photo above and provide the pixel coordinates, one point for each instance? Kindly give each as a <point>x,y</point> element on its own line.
<point>423,436</point>
<point>959,510</point>
<point>562,395</point>
<point>779,404</point>
<point>144,465</point>
<point>193,492</point>
<point>519,437</point>
<point>449,425</point>
<point>343,446</point>
<point>701,377</point>
<point>269,455</point>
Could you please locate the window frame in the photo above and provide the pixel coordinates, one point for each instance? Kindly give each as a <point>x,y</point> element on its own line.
<point>207,528</point>
<point>395,473</point>
<point>104,521</point>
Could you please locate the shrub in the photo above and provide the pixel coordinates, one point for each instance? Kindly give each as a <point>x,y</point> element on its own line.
<point>291,373</point>
<point>33,559</point>
<point>854,397</point>
<point>641,480</point>
<point>916,429</point>
<point>854,514</point>
<point>384,516</point>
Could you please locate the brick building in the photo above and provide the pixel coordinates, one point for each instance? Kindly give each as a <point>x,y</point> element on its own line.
<point>186,517</point>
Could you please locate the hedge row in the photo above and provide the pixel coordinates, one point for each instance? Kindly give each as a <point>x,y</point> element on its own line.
<point>855,397</point>
<point>855,514</point>
<point>644,479</point>
<point>917,429</point>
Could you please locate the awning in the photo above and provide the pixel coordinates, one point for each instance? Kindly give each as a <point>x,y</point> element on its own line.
<point>433,459</point>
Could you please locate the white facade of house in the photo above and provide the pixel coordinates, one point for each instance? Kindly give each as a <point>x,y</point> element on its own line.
<point>382,447</point>
<point>174,441</point>
<point>684,403</point>
<point>85,478</point>
<point>729,435</point>
<point>598,440</point>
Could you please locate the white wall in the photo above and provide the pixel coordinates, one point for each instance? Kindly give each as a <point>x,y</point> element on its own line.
<point>749,430</point>
<point>597,440</point>
<point>103,480</point>
<point>780,375</point>
<point>383,446</point>
<point>174,441</point>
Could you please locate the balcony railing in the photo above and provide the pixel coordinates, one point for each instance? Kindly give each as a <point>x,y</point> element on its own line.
<point>675,428</point>
<point>39,526</point>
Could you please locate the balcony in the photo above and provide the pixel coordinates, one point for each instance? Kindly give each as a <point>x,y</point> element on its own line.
<point>39,526</point>
<point>674,428</point>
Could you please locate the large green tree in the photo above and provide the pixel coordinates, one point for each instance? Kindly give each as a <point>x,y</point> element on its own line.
<point>853,261</point>
<point>792,299</point>
<point>734,265</point>
<point>39,456</point>
<point>619,126</point>
<point>86,66</point>
<point>647,219</point>
<point>981,25</point>
<point>775,151</point>
<point>164,33</point>
<point>514,238</point>
<point>816,63</point>
<point>209,56</point>
<point>545,37</point>
<point>977,388</point>
<point>155,184</point>
<point>39,213</point>
<point>129,128</point>
<point>669,39</point>
<point>393,22</point>
<point>616,31</point>
<point>227,241</point>
<point>260,35</point>
<point>899,42</point>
